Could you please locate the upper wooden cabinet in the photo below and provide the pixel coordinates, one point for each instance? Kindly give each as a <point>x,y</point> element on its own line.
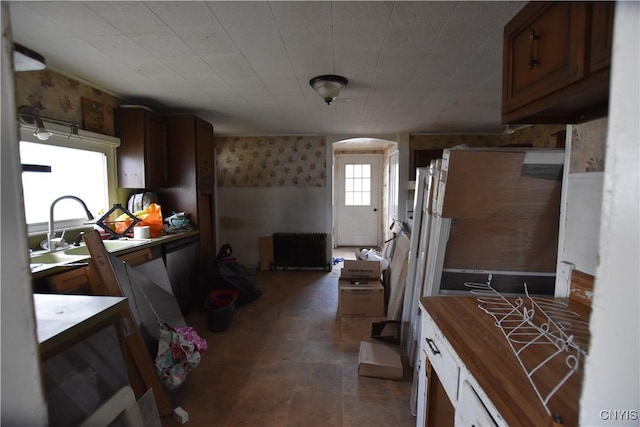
<point>191,152</point>
<point>191,161</point>
<point>556,62</point>
<point>601,35</point>
<point>142,155</point>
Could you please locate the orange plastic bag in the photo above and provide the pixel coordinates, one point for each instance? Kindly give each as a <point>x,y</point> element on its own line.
<point>151,216</point>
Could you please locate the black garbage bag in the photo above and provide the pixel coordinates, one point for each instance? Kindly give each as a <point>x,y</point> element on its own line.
<point>227,273</point>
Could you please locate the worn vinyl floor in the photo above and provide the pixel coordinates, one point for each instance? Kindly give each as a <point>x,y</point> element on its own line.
<point>290,360</point>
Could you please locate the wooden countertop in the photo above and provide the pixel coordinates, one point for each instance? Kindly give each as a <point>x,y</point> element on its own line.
<point>60,319</point>
<point>484,350</point>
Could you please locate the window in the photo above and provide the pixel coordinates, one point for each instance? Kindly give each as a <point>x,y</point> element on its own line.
<point>357,185</point>
<point>82,166</point>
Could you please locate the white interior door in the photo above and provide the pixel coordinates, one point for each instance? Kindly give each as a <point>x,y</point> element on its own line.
<point>357,195</point>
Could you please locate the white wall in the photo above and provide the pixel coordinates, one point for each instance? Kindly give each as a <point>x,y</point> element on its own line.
<point>246,213</point>
<point>612,371</point>
<point>22,398</point>
<point>404,151</point>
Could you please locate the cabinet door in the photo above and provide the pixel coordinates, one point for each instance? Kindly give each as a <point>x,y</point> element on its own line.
<point>421,411</point>
<point>471,411</point>
<point>155,151</point>
<point>137,257</point>
<point>76,281</point>
<point>206,225</point>
<point>544,51</point>
<point>142,152</point>
<point>601,35</point>
<point>440,412</point>
<point>205,159</point>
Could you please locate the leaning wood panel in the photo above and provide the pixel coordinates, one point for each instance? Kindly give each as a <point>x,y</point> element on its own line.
<point>139,365</point>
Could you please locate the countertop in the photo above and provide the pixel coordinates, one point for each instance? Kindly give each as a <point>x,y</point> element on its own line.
<point>141,244</point>
<point>485,352</point>
<point>62,318</point>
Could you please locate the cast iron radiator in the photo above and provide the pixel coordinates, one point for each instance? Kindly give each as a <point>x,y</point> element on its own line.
<point>301,250</point>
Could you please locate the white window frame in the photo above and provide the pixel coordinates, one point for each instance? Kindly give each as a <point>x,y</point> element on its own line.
<point>61,136</point>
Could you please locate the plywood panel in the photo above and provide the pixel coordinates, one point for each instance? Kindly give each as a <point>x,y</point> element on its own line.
<point>520,235</point>
<point>475,184</point>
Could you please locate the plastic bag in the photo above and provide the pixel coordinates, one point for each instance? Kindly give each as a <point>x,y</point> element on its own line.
<point>227,273</point>
<point>373,255</point>
<point>178,353</point>
<point>151,216</point>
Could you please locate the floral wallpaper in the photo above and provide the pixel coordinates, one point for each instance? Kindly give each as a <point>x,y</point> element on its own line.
<point>436,142</point>
<point>540,136</point>
<point>271,161</point>
<point>59,97</point>
<point>537,136</point>
<point>588,141</point>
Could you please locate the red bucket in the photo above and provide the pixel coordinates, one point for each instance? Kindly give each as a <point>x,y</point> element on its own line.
<point>219,298</point>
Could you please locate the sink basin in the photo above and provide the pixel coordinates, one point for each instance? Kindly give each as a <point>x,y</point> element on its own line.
<point>109,245</point>
<point>43,260</point>
<point>56,258</point>
<point>50,259</point>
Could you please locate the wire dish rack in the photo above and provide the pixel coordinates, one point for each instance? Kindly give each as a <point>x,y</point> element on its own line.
<point>549,340</point>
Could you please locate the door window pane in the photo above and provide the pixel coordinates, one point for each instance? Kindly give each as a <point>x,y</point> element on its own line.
<point>357,185</point>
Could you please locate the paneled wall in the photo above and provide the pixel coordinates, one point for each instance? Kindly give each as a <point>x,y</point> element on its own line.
<point>270,184</point>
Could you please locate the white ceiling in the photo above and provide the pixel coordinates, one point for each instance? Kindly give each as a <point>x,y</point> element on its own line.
<point>245,66</point>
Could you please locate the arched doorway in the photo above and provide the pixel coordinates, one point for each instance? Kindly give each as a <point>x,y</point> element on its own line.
<point>361,190</point>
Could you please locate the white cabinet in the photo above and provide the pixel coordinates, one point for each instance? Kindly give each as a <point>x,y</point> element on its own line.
<point>470,410</point>
<point>469,406</point>
<point>439,353</point>
<point>473,377</point>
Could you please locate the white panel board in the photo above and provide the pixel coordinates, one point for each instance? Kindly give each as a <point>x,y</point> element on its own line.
<point>246,213</point>
<point>584,205</point>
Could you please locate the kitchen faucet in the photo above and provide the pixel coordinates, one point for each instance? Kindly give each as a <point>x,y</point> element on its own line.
<point>51,235</point>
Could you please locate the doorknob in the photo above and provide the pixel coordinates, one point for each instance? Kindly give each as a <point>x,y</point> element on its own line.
<point>375,209</point>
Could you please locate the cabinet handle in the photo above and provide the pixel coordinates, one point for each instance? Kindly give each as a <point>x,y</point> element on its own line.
<point>432,346</point>
<point>532,38</point>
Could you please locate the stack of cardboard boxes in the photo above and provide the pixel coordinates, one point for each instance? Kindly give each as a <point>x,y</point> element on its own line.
<point>360,289</point>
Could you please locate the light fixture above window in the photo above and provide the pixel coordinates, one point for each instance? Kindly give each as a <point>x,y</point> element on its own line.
<point>328,86</point>
<point>31,116</point>
<point>41,132</point>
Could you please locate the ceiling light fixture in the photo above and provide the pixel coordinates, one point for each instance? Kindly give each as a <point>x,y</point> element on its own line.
<point>328,86</point>
<point>25,59</point>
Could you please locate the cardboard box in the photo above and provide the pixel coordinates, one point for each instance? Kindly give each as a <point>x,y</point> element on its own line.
<point>379,361</point>
<point>360,269</point>
<point>360,297</point>
<point>265,251</point>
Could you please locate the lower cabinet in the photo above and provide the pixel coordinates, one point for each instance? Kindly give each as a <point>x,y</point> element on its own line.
<point>181,259</point>
<point>470,410</point>
<point>76,281</point>
<point>447,393</point>
<point>80,280</point>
